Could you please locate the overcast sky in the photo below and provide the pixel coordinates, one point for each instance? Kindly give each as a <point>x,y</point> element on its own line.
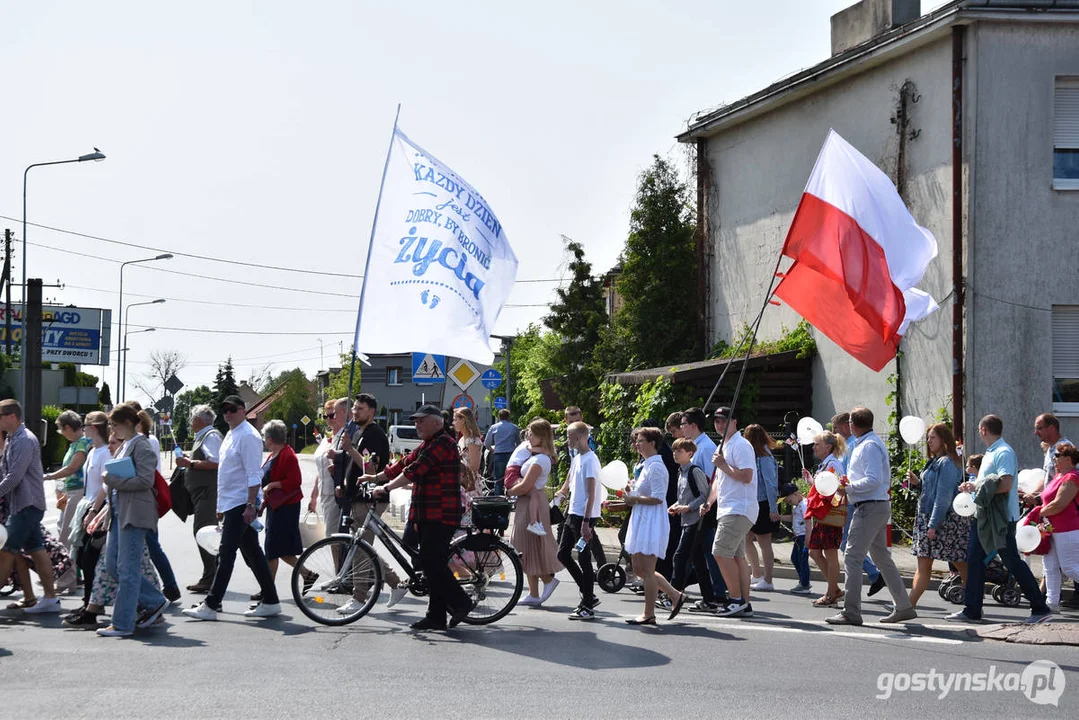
<point>256,132</point>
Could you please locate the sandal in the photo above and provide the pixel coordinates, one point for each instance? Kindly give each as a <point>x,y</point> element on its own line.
<point>825,601</point>
<point>21,604</point>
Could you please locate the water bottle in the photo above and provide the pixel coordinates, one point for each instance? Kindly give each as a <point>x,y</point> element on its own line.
<point>257,525</point>
<point>581,544</point>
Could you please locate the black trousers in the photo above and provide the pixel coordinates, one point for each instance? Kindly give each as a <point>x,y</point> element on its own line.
<point>434,559</point>
<point>238,535</point>
<point>88,555</point>
<point>584,574</point>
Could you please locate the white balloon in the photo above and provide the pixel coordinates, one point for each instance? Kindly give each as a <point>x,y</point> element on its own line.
<point>3,535</point>
<point>912,428</point>
<point>826,483</point>
<point>614,475</point>
<point>808,428</point>
<point>1032,481</point>
<point>209,538</point>
<point>1027,538</point>
<point>963,504</point>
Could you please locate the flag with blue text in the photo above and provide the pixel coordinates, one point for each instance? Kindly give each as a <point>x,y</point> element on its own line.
<point>440,266</point>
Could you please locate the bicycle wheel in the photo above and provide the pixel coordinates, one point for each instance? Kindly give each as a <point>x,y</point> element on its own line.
<point>344,580</point>
<point>490,573</point>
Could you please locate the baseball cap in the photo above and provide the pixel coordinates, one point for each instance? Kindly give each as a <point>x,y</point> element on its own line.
<point>426,411</point>
<point>787,490</point>
<point>724,412</point>
<point>234,401</point>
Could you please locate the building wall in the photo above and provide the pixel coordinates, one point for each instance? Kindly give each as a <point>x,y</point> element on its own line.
<point>759,172</point>
<point>1025,234</point>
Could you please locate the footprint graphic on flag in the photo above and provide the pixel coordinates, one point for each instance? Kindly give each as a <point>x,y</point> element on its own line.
<point>434,299</point>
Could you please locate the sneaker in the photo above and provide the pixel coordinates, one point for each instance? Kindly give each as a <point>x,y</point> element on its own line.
<point>309,582</point>
<point>842,619</point>
<point>264,610</point>
<point>736,607</point>
<point>202,611</point>
<point>664,602</point>
<point>82,621</point>
<point>754,580</point>
<point>548,588</point>
<point>147,618</point>
<point>748,612</point>
<point>537,528</point>
<point>1036,618</point>
<point>802,589</point>
<point>898,616</point>
<point>582,613</point>
<point>44,605</point>
<point>350,607</point>
<point>456,616</point>
<point>961,616</point>
<point>171,594</point>
<point>529,600</point>
<point>876,587</point>
<point>701,606</point>
<point>75,613</point>
<point>593,603</point>
<point>111,631</point>
<point>762,584</point>
<point>427,624</point>
<point>256,598</point>
<point>396,595</point>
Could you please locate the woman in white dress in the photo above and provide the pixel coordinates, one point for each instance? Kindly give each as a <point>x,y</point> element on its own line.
<point>649,527</point>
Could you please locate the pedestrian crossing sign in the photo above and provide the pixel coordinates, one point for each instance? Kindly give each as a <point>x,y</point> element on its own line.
<point>428,368</point>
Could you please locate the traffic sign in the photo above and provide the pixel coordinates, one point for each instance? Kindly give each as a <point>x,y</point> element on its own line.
<point>428,368</point>
<point>491,379</point>
<point>500,403</point>
<point>305,420</point>
<point>463,374</point>
<point>173,385</point>
<point>462,401</point>
<point>294,426</point>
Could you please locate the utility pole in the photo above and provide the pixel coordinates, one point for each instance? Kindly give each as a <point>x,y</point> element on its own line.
<point>7,288</point>
<point>31,329</point>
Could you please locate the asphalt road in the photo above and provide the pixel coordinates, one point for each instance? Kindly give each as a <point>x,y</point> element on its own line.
<point>785,662</point>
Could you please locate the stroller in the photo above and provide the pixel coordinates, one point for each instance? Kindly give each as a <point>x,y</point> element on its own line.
<point>1004,589</point>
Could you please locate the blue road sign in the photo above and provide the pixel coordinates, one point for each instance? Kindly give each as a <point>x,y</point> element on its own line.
<point>500,403</point>
<point>491,379</point>
<point>428,369</point>
<point>294,426</point>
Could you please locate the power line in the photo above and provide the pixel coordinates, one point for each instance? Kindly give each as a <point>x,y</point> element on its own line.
<point>242,332</point>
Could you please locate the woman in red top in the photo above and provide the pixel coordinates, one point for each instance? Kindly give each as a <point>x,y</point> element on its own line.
<point>281,496</point>
<point>1060,509</point>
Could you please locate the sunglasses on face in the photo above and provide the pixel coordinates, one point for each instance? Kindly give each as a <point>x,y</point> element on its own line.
<point>228,409</point>
<point>329,416</point>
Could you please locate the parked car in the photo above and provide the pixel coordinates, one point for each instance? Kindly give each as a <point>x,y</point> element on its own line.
<point>403,439</point>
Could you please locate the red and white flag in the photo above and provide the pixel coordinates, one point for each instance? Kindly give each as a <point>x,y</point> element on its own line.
<point>857,255</point>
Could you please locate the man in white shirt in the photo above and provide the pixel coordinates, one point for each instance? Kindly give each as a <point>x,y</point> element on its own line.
<point>734,493</point>
<point>200,480</point>
<point>584,509</point>
<point>869,480</point>
<point>239,477</point>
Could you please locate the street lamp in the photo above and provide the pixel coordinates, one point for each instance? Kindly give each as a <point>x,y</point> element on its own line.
<point>119,320</point>
<point>95,156</point>
<point>127,319</point>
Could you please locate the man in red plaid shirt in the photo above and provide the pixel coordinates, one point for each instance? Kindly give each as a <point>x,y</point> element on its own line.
<point>433,469</point>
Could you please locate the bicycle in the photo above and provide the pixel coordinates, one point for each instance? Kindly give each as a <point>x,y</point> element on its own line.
<point>328,573</point>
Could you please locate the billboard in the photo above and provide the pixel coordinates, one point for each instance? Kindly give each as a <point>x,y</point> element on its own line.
<point>68,334</point>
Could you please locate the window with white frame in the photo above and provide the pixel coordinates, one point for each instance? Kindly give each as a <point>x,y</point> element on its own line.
<point>1066,133</point>
<point>1066,359</point>
<point>393,376</point>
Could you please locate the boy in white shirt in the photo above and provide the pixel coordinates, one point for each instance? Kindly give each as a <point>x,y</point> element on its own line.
<point>584,509</point>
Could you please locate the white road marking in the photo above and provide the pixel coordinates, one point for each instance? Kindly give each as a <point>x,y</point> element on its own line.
<point>762,626</point>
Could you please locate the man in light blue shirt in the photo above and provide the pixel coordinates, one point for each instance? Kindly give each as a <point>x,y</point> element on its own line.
<point>841,425</point>
<point>999,460</point>
<point>502,438</point>
<point>869,480</point>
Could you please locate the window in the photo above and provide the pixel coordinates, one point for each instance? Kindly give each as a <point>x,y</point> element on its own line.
<point>1066,134</point>
<point>393,376</point>
<point>1066,359</point>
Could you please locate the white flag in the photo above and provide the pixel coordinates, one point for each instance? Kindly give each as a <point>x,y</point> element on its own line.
<point>440,266</point>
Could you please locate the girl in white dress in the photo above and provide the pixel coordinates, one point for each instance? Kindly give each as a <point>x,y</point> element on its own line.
<point>649,527</point>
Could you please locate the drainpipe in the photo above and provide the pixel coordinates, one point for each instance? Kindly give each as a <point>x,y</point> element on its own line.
<point>958,281</point>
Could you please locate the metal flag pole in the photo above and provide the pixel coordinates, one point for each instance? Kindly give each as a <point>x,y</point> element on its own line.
<point>370,246</point>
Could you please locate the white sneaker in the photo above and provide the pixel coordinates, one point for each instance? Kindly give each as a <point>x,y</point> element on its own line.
<point>548,588</point>
<point>201,612</point>
<point>802,589</point>
<point>264,610</point>
<point>537,528</point>
<point>350,607</point>
<point>111,631</point>
<point>396,595</point>
<point>529,600</point>
<point>761,584</point>
<point>44,605</point>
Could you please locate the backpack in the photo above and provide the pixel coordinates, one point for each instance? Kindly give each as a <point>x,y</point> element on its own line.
<point>708,520</point>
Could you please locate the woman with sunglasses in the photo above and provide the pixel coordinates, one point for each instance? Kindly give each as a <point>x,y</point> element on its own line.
<point>1059,513</point>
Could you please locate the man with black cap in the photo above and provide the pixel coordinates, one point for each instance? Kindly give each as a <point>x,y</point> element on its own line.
<point>435,513</point>
<point>734,493</point>
<point>239,478</point>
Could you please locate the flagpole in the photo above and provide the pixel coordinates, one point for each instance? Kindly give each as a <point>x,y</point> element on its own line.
<point>370,247</point>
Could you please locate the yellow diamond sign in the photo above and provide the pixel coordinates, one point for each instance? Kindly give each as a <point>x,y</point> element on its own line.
<point>463,374</point>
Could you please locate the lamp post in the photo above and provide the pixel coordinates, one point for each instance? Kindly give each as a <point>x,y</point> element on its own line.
<point>127,320</point>
<point>119,320</point>
<point>95,156</point>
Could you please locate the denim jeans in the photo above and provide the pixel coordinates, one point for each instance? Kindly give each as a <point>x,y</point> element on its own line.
<point>1009,555</point>
<point>123,560</point>
<point>238,535</point>
<point>800,560</point>
<point>870,569</point>
<point>160,560</point>
<point>705,538</point>
<point>498,471</point>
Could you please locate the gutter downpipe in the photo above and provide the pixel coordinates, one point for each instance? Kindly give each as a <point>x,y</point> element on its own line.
<point>958,281</point>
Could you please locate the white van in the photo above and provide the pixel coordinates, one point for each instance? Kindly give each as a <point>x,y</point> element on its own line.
<point>403,439</point>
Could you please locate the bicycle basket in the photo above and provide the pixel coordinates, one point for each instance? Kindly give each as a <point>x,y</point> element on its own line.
<point>491,513</point>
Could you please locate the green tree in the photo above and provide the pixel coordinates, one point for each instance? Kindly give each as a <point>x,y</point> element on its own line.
<point>578,319</point>
<point>531,361</point>
<point>295,401</point>
<point>224,385</point>
<point>338,387</point>
<point>104,396</point>
<point>657,323</point>
<point>181,413</point>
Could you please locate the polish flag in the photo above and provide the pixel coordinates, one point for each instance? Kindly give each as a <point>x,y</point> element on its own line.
<point>857,255</point>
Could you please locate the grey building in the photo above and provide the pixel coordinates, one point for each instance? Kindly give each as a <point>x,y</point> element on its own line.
<point>973,109</point>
